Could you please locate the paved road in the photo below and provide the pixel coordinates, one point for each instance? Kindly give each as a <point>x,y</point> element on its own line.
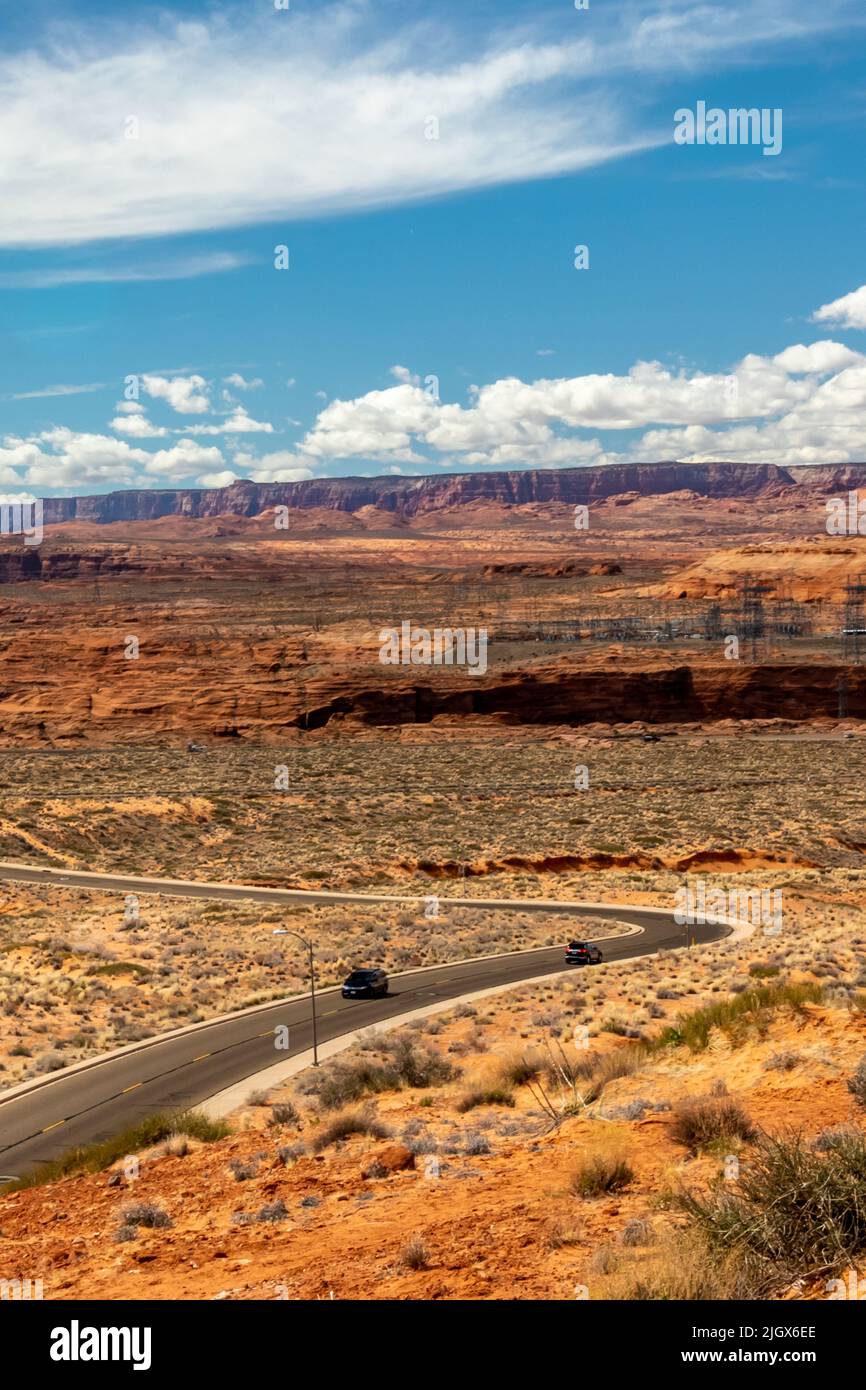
<point>91,1104</point>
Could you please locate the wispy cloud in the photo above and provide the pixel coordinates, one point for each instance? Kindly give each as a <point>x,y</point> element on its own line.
<point>244,118</point>
<point>188,268</point>
<point>56,391</point>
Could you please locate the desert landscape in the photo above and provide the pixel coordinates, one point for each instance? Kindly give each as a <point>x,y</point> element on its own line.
<point>432,680</point>
<point>190,693</point>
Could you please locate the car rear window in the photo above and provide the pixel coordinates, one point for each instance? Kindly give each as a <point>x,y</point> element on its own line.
<point>361,977</point>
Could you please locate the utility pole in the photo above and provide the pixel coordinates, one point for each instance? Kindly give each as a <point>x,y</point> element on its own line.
<point>286,931</point>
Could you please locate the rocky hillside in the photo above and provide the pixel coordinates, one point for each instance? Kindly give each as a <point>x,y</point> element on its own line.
<point>415,496</point>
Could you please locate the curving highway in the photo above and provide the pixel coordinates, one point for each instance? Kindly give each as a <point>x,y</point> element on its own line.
<point>97,1098</point>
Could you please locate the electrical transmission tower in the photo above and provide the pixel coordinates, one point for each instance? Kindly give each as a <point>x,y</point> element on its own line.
<point>751,621</point>
<point>853,623</point>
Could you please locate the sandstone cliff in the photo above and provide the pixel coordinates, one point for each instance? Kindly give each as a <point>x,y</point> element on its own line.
<point>415,496</point>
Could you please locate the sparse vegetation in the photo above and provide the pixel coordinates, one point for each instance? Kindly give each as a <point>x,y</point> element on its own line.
<point>794,1211</point>
<point>599,1175</point>
<point>346,1124</point>
<point>702,1124</point>
<point>857,1083</point>
<point>414,1254</point>
<point>731,1015</point>
<point>484,1095</point>
<point>400,1063</point>
<point>95,1158</point>
<point>146,1214</point>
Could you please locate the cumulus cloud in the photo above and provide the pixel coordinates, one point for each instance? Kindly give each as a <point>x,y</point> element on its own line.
<point>808,396</point>
<point>137,425</point>
<point>183,459</point>
<point>239,422</point>
<point>805,404</point>
<point>282,466</point>
<point>185,394</point>
<point>826,427</point>
<point>344,108</point>
<point>62,458</point>
<point>847,312</point>
<point>817,357</point>
<point>223,479</point>
<point>240,383</point>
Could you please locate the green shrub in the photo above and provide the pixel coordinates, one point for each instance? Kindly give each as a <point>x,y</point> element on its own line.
<point>794,1209</point>
<point>753,1005</point>
<point>402,1064</point>
<point>491,1095</point>
<point>95,1158</point>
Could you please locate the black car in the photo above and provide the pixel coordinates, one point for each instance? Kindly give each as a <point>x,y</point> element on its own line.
<point>582,953</point>
<point>366,984</point>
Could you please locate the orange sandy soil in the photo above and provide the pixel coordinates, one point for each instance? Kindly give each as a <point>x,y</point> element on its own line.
<point>489,1222</point>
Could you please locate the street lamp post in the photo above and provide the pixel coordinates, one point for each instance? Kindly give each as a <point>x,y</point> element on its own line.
<point>286,931</point>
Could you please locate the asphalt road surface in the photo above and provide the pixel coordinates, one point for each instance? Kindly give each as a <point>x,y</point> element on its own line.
<point>82,1107</point>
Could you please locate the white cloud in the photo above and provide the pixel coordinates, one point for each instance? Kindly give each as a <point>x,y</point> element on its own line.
<point>812,392</point>
<point>81,460</point>
<point>847,312</point>
<point>827,427</point>
<point>283,466</point>
<point>186,268</point>
<point>137,426</point>
<point>817,357</point>
<point>402,374</point>
<point>183,459</point>
<point>335,102</point>
<point>185,394</point>
<point>239,422</point>
<point>58,391</point>
<point>224,479</point>
<point>241,384</point>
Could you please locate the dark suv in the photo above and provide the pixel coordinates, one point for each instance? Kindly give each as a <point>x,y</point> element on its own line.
<point>366,984</point>
<point>582,953</point>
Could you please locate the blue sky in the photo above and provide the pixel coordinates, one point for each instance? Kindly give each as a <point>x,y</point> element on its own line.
<point>431,317</point>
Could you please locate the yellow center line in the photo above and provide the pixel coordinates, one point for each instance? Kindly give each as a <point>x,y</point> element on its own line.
<point>202,1057</point>
<point>133,1087</point>
<point>56,1125</point>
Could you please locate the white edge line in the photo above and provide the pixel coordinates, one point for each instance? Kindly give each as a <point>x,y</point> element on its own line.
<point>37,1083</point>
<point>224,1102</point>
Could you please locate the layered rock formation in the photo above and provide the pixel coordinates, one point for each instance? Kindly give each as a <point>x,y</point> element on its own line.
<point>415,496</point>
